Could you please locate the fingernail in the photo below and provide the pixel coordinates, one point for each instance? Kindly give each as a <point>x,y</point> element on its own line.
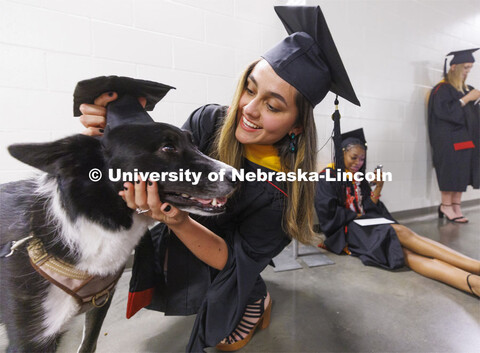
<point>168,208</point>
<point>101,130</point>
<point>110,94</point>
<point>150,183</point>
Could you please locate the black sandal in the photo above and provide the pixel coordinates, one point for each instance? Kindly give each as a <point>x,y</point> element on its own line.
<point>454,220</point>
<point>234,341</point>
<point>455,203</point>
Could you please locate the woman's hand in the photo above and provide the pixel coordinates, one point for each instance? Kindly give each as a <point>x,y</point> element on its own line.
<point>146,197</point>
<point>378,182</point>
<point>201,241</point>
<point>473,95</point>
<point>94,115</point>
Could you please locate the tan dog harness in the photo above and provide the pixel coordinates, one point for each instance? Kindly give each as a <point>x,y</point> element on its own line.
<point>85,288</point>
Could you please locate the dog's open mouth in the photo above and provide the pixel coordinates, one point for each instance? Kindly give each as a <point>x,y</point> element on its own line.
<point>182,201</point>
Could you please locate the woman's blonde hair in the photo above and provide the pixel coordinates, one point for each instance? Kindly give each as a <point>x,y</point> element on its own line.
<point>299,207</point>
<point>454,77</point>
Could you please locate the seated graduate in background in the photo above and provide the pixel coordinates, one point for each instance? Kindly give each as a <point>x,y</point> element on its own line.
<point>390,246</point>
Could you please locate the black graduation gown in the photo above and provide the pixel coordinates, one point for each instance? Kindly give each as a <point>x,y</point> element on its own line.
<point>375,245</point>
<point>455,138</point>
<point>253,233</point>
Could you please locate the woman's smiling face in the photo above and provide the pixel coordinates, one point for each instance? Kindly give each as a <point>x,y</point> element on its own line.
<point>267,111</point>
<point>354,158</point>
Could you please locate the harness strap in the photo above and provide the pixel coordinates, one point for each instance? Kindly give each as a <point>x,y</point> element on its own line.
<point>86,289</point>
<point>41,258</point>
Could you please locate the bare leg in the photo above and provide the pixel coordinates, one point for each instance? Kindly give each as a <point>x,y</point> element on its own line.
<point>456,201</point>
<point>427,247</point>
<point>442,271</point>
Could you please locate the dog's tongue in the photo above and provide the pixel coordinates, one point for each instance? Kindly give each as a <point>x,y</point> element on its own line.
<point>204,201</point>
<point>215,201</point>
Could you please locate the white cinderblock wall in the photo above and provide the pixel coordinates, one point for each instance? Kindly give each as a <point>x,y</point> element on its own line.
<point>393,52</point>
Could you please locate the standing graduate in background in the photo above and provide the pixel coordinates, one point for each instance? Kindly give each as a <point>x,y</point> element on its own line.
<point>390,246</point>
<point>454,130</point>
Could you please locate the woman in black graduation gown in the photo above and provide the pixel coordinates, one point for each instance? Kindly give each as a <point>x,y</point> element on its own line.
<point>212,266</point>
<point>454,129</point>
<point>389,246</point>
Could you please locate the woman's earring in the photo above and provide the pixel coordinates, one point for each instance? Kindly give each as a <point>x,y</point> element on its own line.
<point>293,143</point>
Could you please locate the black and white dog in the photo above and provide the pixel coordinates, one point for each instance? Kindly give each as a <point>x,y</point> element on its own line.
<point>85,224</point>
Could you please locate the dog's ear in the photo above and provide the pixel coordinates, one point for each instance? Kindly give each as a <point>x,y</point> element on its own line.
<point>51,156</point>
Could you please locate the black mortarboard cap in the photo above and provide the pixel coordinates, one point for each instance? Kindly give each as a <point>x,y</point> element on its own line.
<point>354,136</point>
<point>126,109</point>
<point>460,57</point>
<point>308,59</point>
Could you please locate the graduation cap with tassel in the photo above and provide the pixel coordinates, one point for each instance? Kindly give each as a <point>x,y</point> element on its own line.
<point>309,60</point>
<point>459,57</point>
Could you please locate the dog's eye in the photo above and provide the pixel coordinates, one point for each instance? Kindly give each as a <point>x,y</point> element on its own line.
<point>168,148</point>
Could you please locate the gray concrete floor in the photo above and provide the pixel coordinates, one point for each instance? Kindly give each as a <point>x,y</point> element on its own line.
<point>345,307</point>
